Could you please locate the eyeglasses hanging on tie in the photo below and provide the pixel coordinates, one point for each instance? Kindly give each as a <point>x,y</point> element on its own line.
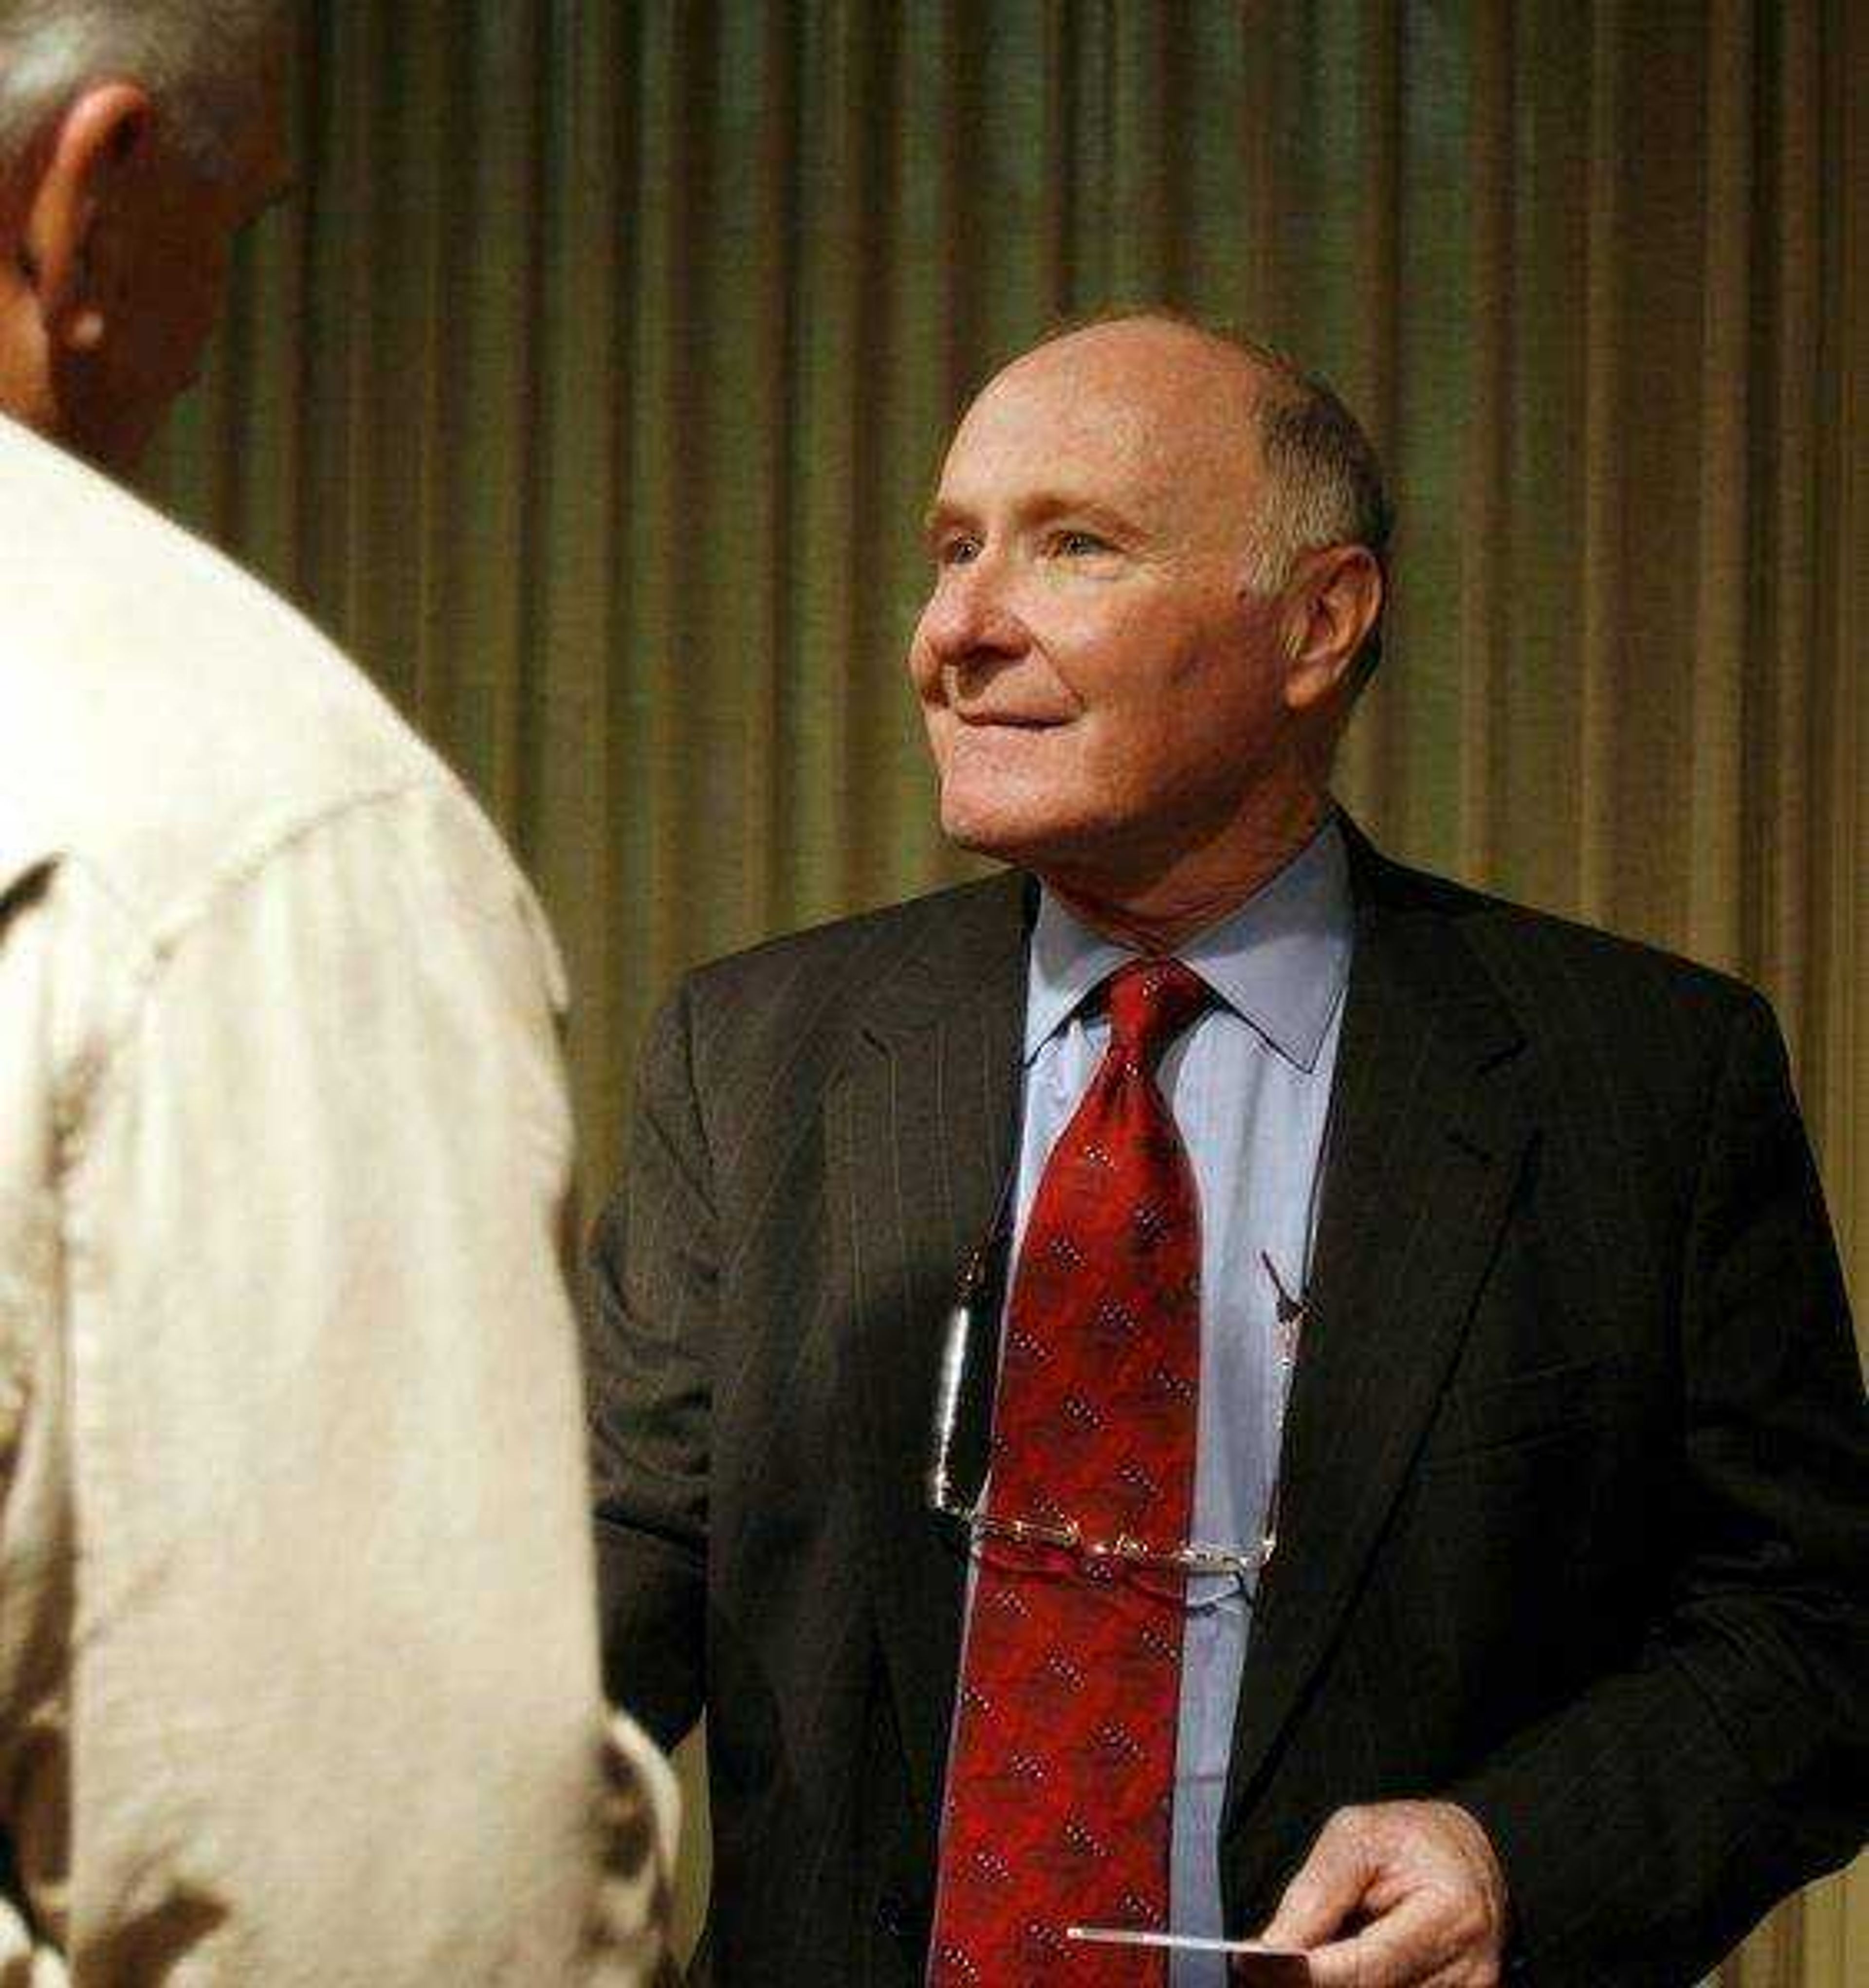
<point>963,1395</point>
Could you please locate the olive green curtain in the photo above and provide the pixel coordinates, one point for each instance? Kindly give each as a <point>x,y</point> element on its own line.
<point>590,388</point>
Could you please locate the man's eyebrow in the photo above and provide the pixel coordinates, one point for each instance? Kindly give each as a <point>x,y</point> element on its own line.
<point>1051,506</point>
<point>940,518</point>
<point>1044,507</point>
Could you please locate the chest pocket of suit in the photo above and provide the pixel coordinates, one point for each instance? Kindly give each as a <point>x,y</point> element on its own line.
<point>1519,1412</point>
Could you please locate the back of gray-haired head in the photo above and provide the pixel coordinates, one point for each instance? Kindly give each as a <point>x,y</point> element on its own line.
<point>1324,476</point>
<point>200,60</point>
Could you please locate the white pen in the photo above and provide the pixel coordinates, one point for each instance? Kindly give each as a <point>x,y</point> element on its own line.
<point>1269,1967</point>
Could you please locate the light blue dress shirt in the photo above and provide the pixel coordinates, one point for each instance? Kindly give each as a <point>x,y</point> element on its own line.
<point>1249,1086</point>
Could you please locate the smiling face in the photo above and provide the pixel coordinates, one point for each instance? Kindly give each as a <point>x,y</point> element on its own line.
<point>1106,696</point>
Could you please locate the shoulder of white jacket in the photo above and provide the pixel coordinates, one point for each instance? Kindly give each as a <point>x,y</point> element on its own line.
<point>160,708</point>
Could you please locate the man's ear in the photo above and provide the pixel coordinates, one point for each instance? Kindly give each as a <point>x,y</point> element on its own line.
<point>72,212</point>
<point>1334,600</point>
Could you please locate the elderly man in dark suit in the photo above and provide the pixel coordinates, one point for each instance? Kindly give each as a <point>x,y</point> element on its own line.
<point>1402,1462</point>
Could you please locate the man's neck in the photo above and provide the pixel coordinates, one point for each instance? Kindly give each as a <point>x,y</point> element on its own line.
<point>1164,911</point>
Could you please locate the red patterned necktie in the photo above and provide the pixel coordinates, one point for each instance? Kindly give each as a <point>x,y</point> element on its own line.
<point>1060,1787</point>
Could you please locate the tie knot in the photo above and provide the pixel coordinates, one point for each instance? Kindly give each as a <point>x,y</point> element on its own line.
<point>1151,1001</point>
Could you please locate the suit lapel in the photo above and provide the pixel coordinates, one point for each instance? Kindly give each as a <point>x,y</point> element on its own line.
<point>1427,1141</point>
<point>920,1135</point>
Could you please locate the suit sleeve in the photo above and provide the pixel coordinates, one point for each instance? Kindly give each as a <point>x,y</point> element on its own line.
<point>1647,1826</point>
<point>649,1329</point>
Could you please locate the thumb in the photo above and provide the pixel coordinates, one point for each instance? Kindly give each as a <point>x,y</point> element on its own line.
<point>1328,1889</point>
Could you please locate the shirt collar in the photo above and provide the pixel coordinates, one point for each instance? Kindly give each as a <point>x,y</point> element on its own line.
<point>1280,961</point>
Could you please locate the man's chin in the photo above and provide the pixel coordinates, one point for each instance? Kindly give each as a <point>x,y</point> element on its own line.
<point>1027,839</point>
<point>982,831</point>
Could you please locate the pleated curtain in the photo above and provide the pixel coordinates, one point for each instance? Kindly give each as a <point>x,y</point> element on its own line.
<point>592,385</point>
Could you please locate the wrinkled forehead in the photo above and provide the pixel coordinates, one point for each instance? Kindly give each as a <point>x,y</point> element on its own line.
<point>1146,414</point>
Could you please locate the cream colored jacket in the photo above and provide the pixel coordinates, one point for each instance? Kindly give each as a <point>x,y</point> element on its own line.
<point>298,1673</point>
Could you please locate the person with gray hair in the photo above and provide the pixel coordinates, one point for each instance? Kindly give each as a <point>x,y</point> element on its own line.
<point>297,1663</point>
<point>1210,1390</point>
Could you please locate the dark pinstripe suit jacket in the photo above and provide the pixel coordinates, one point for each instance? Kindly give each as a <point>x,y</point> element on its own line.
<point>1575,1469</point>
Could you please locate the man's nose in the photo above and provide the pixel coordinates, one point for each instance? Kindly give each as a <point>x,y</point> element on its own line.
<point>969,617</point>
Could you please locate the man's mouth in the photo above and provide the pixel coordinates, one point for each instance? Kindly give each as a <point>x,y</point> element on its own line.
<point>1007,720</point>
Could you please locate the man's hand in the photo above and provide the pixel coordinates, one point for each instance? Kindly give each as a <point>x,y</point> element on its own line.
<point>1400,1894</point>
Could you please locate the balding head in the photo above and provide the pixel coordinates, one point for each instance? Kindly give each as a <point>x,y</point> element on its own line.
<point>1174,407</point>
<point>1122,690</point>
<point>1289,435</point>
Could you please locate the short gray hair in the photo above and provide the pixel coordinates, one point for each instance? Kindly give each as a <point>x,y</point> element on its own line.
<point>199,59</point>
<point>1326,479</point>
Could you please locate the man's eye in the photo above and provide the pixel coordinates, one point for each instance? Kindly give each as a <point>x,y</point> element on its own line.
<point>960,549</point>
<point>1073,544</point>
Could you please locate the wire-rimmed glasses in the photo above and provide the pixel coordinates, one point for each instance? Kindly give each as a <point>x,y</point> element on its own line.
<point>1046,1539</point>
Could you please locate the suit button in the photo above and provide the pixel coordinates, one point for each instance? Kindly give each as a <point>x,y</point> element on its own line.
<point>902,1918</point>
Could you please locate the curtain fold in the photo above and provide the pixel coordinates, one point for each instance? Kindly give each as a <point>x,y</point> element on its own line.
<point>591,388</point>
